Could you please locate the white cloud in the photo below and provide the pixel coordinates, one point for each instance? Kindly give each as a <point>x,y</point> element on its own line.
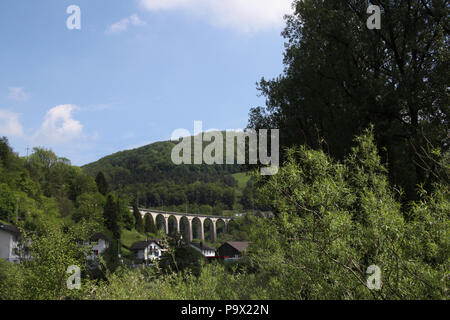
<point>59,126</point>
<point>18,94</point>
<point>10,124</point>
<point>241,15</point>
<point>123,24</point>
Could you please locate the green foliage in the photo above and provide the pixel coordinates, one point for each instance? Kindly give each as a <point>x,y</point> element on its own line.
<point>6,153</point>
<point>11,281</point>
<point>126,217</point>
<point>335,219</point>
<point>7,202</point>
<point>111,256</point>
<point>82,183</point>
<point>332,220</point>
<point>90,208</point>
<point>239,229</point>
<point>111,216</point>
<point>149,173</point>
<point>339,77</point>
<point>102,184</point>
<point>53,248</point>
<point>214,283</point>
<point>149,224</point>
<point>139,225</point>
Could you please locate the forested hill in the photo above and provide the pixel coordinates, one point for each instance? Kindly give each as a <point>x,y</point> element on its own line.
<point>149,173</point>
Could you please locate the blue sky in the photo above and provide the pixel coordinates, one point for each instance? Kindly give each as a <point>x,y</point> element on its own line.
<point>135,72</point>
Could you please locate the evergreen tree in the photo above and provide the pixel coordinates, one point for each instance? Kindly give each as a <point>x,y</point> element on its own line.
<point>139,225</point>
<point>102,184</point>
<point>5,152</point>
<point>111,216</point>
<point>149,224</point>
<point>126,218</point>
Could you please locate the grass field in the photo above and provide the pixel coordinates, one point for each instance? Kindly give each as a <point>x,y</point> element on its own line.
<point>241,179</point>
<point>128,237</point>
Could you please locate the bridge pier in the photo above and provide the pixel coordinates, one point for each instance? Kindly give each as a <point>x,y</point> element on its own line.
<point>166,225</point>
<point>177,224</point>
<point>213,230</point>
<point>201,229</point>
<point>189,231</point>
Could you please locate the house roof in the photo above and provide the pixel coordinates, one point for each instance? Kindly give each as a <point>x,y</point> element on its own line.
<point>202,246</point>
<point>99,236</point>
<point>238,245</point>
<point>139,245</point>
<point>9,228</point>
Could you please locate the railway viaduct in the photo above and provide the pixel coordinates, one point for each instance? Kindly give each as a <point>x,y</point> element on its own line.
<point>188,218</point>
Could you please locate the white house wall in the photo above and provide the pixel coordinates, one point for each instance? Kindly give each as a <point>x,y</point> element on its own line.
<point>7,246</point>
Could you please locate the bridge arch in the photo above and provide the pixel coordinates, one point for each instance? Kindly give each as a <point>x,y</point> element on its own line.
<point>173,224</point>
<point>186,228</point>
<point>207,228</point>
<point>162,223</point>
<point>197,228</point>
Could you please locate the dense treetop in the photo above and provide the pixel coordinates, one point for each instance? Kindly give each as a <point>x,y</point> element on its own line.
<point>339,77</point>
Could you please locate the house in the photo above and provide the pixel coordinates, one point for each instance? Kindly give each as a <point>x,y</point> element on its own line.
<point>99,242</point>
<point>232,250</point>
<point>10,239</point>
<point>206,251</point>
<point>148,250</point>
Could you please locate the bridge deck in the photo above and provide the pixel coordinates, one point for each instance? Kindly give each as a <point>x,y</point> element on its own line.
<point>187,214</point>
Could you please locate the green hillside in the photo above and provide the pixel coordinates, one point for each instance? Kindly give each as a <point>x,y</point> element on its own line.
<point>149,173</point>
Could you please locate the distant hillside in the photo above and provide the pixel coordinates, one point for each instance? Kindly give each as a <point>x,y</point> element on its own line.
<point>149,173</point>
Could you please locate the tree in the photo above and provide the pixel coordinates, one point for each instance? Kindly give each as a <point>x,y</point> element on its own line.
<point>7,203</point>
<point>102,184</point>
<point>149,224</point>
<point>139,225</point>
<point>111,216</point>
<point>334,220</point>
<point>90,207</point>
<point>339,77</point>
<point>53,248</point>
<point>82,183</point>
<point>5,152</point>
<point>126,217</point>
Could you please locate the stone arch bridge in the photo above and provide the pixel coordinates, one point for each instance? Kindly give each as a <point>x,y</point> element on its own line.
<point>188,218</point>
